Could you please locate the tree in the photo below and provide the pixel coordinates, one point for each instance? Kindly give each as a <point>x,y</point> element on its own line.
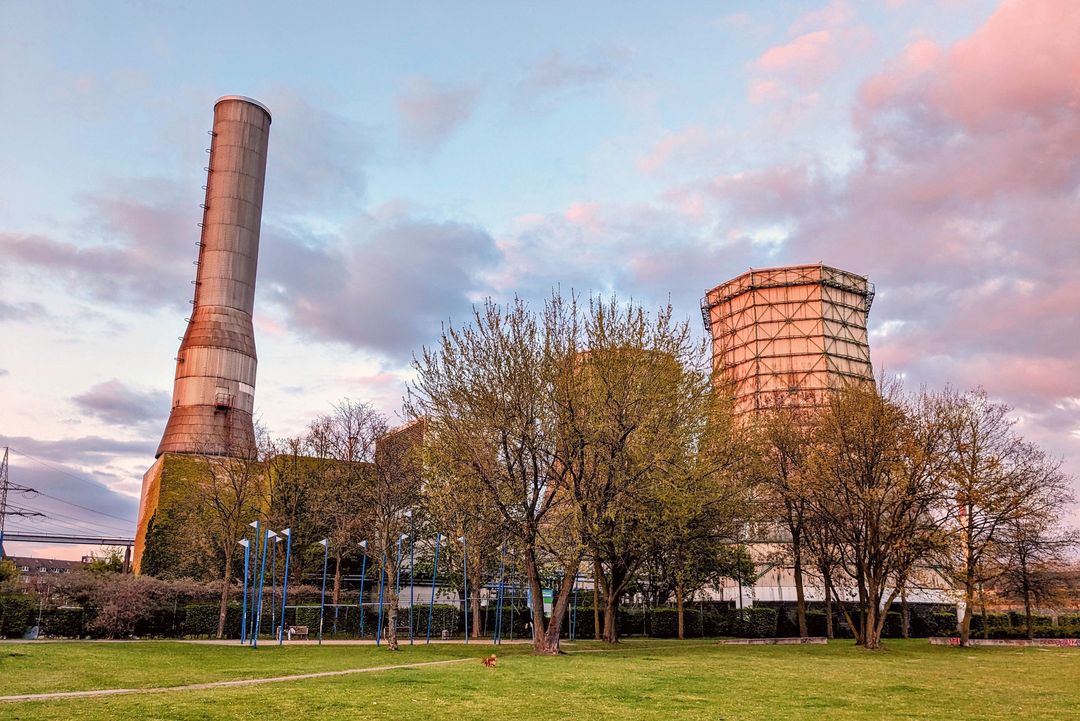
<point>390,500</point>
<point>784,435</point>
<point>231,493</point>
<point>1035,547</point>
<point>486,395</point>
<point>877,464</point>
<point>995,482</point>
<point>345,441</point>
<point>110,560</point>
<point>632,411</point>
<point>455,502</point>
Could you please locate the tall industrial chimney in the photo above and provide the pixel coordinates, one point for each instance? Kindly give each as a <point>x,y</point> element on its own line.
<point>214,390</point>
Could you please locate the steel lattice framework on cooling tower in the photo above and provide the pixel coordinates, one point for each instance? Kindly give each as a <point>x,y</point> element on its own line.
<point>795,329</point>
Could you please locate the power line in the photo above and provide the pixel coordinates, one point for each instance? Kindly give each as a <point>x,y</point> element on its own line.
<point>70,475</point>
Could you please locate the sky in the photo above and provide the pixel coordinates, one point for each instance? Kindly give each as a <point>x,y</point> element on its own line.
<point>426,155</point>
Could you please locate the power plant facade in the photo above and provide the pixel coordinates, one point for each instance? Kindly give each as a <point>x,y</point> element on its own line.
<point>214,389</point>
<point>791,332</point>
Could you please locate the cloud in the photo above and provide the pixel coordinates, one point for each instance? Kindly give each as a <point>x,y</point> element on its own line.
<point>428,113</point>
<point>132,249</point>
<point>316,159</point>
<point>21,311</point>
<point>117,403</point>
<point>384,284</point>
<point>819,43</point>
<point>554,77</point>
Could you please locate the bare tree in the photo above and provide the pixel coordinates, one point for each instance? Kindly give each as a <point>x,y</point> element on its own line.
<point>996,485</point>
<point>877,461</point>
<point>230,493</point>
<point>784,435</point>
<point>392,497</point>
<point>486,394</point>
<point>1036,546</point>
<point>345,442</point>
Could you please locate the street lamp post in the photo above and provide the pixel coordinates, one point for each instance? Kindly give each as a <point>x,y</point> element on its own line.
<point>465,574</point>
<point>382,578</point>
<point>496,636</point>
<point>255,549</point>
<point>243,611</point>
<point>412,585</point>
<point>262,584</point>
<point>325,543</point>
<point>434,572</point>
<point>363,575</point>
<point>273,584</point>
<point>397,582</point>
<point>285,582</point>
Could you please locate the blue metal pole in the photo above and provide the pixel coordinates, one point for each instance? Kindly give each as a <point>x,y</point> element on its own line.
<point>262,583</point>
<point>397,582</point>
<point>382,577</point>
<point>496,632</point>
<point>434,571</point>
<point>363,575</point>
<point>322,601</point>
<point>513,599</point>
<point>273,585</point>
<point>285,583</point>
<point>412,585</point>
<point>254,550</point>
<point>243,611</point>
<point>465,573</point>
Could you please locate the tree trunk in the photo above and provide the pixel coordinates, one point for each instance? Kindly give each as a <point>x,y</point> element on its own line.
<point>391,622</point>
<point>550,644</point>
<point>871,638</point>
<point>800,595</point>
<point>828,608</point>
<point>679,604</point>
<point>969,604</point>
<point>474,606</point>
<point>1027,614</point>
<point>539,632</point>
<point>223,610</point>
<point>982,605</point>
<point>611,613</point>
<point>337,580</point>
<point>596,600</point>
<point>905,621</point>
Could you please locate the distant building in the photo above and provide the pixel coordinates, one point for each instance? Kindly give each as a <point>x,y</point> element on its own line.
<point>795,331</point>
<point>36,571</point>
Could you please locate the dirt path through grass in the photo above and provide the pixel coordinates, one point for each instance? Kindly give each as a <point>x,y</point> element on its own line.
<point>219,684</point>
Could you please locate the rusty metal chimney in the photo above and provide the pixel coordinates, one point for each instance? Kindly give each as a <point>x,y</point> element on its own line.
<point>214,392</point>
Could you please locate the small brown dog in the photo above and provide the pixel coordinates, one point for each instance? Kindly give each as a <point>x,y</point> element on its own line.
<point>489,661</point>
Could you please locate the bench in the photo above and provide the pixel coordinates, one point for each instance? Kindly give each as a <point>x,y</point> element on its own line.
<point>402,631</point>
<point>299,633</point>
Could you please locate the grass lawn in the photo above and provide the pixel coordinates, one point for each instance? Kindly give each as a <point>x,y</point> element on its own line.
<point>639,680</point>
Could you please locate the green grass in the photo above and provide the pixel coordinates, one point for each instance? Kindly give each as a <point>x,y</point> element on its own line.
<point>640,680</point>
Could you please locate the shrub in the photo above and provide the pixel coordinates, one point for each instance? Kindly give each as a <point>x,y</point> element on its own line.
<point>63,623</point>
<point>752,622</point>
<point>16,614</point>
<point>941,624</point>
<point>992,621</point>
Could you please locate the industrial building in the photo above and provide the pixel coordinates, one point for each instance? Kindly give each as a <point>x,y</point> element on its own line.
<point>791,332</point>
<point>214,391</point>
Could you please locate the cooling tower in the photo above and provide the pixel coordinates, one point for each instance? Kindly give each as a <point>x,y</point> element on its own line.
<point>214,391</point>
<point>793,332</point>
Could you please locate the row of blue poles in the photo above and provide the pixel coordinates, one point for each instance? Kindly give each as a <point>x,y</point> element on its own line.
<point>257,597</point>
<point>260,578</point>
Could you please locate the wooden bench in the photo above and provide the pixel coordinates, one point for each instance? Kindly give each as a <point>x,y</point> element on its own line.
<point>298,633</point>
